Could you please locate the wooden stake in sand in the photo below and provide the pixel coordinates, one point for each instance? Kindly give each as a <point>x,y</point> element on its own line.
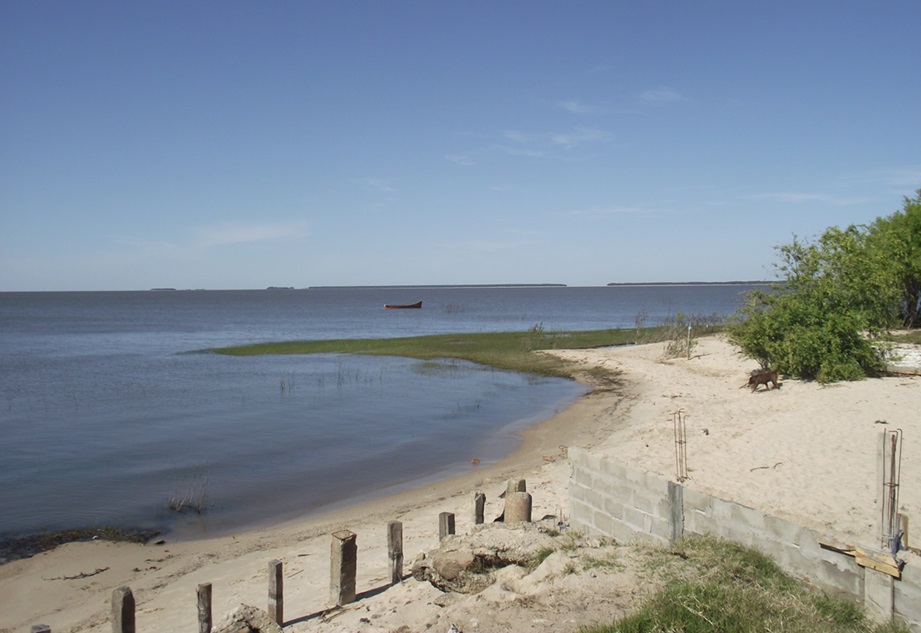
<point>479,508</point>
<point>204,607</point>
<point>343,567</point>
<point>395,551</point>
<point>276,592</point>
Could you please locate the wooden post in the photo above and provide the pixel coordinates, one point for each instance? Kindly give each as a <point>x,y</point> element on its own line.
<point>41,628</point>
<point>343,568</point>
<point>276,592</point>
<point>122,610</point>
<point>395,551</point>
<point>479,508</point>
<point>204,607</point>
<point>445,525</point>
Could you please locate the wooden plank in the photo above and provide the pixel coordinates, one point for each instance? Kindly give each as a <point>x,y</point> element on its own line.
<point>881,562</point>
<point>841,548</point>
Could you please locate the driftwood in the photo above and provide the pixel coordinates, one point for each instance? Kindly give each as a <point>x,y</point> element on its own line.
<point>85,574</point>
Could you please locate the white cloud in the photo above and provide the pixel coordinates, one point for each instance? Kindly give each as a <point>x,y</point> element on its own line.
<point>661,95</point>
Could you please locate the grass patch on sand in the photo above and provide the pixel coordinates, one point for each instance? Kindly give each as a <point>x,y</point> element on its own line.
<point>909,336</point>
<point>716,585</point>
<point>514,351</point>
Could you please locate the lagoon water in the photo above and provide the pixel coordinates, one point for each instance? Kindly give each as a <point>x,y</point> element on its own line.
<point>109,410</point>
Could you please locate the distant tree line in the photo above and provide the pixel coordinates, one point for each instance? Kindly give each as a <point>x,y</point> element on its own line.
<point>836,299</point>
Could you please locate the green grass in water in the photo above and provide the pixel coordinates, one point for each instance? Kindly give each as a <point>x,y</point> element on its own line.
<point>504,350</point>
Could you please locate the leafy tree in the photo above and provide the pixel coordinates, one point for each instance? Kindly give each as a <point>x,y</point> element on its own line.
<point>823,320</point>
<point>900,235</point>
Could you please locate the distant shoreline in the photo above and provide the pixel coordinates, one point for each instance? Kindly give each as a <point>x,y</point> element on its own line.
<point>389,287</point>
<point>623,284</point>
<point>760,282</point>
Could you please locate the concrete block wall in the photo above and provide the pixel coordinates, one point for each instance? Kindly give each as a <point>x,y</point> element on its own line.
<point>609,498</point>
<point>628,504</point>
<point>793,547</point>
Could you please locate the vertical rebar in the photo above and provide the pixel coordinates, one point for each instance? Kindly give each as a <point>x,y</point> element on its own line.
<point>890,525</point>
<point>681,443</point>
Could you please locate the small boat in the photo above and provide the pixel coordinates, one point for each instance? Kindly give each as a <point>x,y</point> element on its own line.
<point>403,306</point>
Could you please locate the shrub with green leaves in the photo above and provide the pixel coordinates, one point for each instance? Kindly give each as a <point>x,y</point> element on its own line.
<point>824,320</point>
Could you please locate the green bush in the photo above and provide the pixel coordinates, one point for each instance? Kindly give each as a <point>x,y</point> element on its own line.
<point>825,319</point>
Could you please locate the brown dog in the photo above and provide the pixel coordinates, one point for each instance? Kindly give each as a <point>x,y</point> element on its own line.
<point>762,377</point>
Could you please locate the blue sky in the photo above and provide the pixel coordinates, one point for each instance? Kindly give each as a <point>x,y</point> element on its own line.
<point>247,144</point>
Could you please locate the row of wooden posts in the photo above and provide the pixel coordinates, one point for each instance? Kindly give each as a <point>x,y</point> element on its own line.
<point>343,565</point>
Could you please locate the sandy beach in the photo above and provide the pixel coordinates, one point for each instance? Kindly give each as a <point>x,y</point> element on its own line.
<point>806,452</point>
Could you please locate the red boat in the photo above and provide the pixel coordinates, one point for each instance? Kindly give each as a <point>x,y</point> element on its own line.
<point>403,306</point>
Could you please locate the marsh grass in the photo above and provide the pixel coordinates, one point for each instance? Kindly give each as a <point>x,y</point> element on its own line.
<point>714,585</point>
<point>191,496</point>
<point>514,351</point>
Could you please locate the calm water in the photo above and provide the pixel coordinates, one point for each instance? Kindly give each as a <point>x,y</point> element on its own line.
<point>105,418</point>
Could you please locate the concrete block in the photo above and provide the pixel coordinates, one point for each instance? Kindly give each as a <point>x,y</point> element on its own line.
<point>696,523</point>
<point>617,492</point>
<point>697,501</point>
<point>636,477</point>
<point>783,530</point>
<point>604,523</point>
<point>594,499</point>
<point>584,477</point>
<point>580,514</point>
<point>663,531</point>
<point>613,469</point>
<point>614,507</point>
<point>792,561</point>
<point>649,498</point>
<point>721,510</point>
<point>829,574</point>
<point>635,518</point>
<point>590,462</point>
<point>750,518</point>
<point>907,599</point>
<point>662,510</point>
<point>878,596</point>
<point>622,532</point>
